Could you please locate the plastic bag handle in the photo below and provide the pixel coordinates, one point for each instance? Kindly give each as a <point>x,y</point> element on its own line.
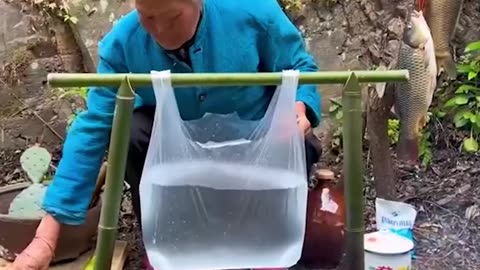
<point>166,103</point>
<point>281,112</point>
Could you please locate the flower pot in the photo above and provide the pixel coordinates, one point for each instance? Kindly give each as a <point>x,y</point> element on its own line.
<point>17,233</point>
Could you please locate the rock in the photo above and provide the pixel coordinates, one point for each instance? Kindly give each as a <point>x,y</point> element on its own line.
<point>375,53</point>
<point>328,59</point>
<point>402,9</point>
<point>28,53</point>
<point>63,110</point>
<point>369,9</point>
<point>34,75</point>
<point>469,23</point>
<point>67,47</point>
<point>338,38</point>
<point>395,27</point>
<point>92,26</point>
<point>392,49</point>
<point>20,131</point>
<point>355,44</point>
<point>17,31</point>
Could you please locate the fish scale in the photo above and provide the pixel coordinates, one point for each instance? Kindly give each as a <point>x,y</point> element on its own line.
<point>442,17</point>
<point>412,98</point>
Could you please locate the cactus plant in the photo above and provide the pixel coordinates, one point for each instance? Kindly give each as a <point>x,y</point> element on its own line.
<point>28,203</point>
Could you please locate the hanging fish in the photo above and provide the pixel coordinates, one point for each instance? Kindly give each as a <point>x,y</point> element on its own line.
<point>442,18</point>
<point>413,98</point>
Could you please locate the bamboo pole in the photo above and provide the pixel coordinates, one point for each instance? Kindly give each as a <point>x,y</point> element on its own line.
<point>353,173</point>
<point>117,157</point>
<point>223,79</point>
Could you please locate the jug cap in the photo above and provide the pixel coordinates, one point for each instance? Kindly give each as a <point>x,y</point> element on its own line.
<point>324,174</point>
<point>387,243</point>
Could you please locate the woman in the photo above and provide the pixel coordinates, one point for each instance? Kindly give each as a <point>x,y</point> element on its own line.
<point>183,36</point>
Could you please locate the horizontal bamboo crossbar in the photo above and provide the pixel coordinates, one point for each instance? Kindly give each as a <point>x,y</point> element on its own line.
<point>223,79</point>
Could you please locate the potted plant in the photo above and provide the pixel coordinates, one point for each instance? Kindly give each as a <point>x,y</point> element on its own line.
<point>21,212</point>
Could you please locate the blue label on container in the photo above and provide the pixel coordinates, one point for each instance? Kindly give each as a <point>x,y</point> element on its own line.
<point>407,233</point>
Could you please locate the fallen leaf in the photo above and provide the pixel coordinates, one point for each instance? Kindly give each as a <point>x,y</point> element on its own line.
<point>445,200</point>
<point>426,224</point>
<point>464,188</point>
<point>472,212</point>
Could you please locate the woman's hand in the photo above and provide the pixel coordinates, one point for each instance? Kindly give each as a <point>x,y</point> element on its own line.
<point>37,256</point>
<point>40,252</point>
<point>302,119</point>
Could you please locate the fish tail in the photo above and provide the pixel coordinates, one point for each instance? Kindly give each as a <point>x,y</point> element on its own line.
<point>421,5</point>
<point>408,149</point>
<point>447,65</point>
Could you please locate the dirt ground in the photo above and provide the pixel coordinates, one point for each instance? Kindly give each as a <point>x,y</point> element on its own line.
<point>446,196</point>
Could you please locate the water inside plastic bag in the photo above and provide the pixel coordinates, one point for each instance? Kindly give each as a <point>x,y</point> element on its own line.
<point>204,209</point>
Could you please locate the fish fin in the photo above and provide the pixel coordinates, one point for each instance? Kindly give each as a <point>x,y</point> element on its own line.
<point>393,113</point>
<point>430,66</point>
<point>392,110</point>
<point>420,5</point>
<point>408,149</point>
<point>423,121</point>
<point>431,91</point>
<point>447,65</point>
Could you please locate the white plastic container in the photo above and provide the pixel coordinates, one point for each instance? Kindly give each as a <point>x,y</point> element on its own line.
<point>385,250</point>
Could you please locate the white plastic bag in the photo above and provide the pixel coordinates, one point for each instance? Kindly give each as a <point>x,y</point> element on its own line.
<point>396,217</point>
<point>221,192</point>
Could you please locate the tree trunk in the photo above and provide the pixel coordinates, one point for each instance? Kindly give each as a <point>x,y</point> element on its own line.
<point>379,143</point>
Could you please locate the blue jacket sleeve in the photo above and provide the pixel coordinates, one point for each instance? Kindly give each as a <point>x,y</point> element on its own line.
<point>69,194</point>
<point>282,48</point>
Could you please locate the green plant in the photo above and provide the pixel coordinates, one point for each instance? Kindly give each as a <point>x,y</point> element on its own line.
<point>291,5</point>
<point>393,130</point>
<point>71,119</point>
<point>35,162</point>
<point>425,154</point>
<point>465,102</point>
<point>60,9</point>
<point>329,3</point>
<point>336,114</point>
<point>295,6</point>
<point>75,92</point>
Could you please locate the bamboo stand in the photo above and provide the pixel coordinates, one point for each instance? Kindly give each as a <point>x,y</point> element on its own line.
<point>352,138</point>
